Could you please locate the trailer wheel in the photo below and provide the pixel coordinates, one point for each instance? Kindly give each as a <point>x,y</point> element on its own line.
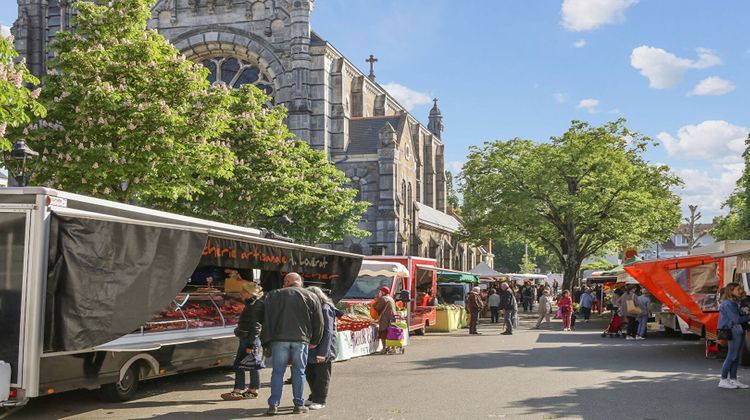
<point>419,331</point>
<point>123,390</point>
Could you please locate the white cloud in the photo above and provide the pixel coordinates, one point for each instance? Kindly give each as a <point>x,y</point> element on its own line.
<point>407,97</point>
<point>4,30</point>
<point>589,105</point>
<point>712,140</point>
<point>580,43</point>
<point>560,97</point>
<point>712,86</point>
<point>664,69</point>
<point>586,15</point>
<point>708,190</point>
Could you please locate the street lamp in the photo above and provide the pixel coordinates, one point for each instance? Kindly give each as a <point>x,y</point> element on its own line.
<point>16,161</point>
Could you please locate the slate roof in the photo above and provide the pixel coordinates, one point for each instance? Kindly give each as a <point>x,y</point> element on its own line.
<point>438,219</point>
<point>364,133</point>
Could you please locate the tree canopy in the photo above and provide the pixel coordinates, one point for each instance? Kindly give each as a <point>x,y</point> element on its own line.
<point>575,195</point>
<point>133,120</point>
<point>121,97</point>
<point>736,224</point>
<point>276,174</point>
<point>18,103</point>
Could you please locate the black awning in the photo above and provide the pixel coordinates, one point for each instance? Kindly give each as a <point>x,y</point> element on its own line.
<point>333,271</point>
<point>107,277</point>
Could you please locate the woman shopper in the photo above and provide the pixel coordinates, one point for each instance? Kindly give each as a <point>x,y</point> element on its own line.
<point>545,308</point>
<point>629,307</point>
<point>386,309</point>
<point>493,301</point>
<point>731,320</point>
<point>642,301</point>
<point>248,331</point>
<point>565,304</point>
<point>321,357</point>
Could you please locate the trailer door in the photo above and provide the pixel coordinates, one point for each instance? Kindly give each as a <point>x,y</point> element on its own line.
<point>13,237</point>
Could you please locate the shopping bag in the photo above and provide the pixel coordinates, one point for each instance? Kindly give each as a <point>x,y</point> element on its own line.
<point>558,315</point>
<point>394,333</point>
<point>252,360</point>
<point>631,308</point>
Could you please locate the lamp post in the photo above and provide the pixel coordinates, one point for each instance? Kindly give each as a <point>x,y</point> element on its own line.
<point>17,161</point>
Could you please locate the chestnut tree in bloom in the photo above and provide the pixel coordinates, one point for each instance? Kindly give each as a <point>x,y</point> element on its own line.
<point>129,118</point>
<point>18,104</point>
<point>276,174</point>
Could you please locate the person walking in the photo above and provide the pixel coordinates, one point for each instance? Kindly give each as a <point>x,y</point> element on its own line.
<point>629,307</point>
<point>493,301</point>
<point>545,308</point>
<point>555,286</point>
<point>642,301</point>
<point>509,306</point>
<point>731,320</point>
<point>586,302</point>
<point>293,321</point>
<point>321,357</point>
<point>565,304</point>
<point>248,331</point>
<point>385,306</point>
<point>528,293</point>
<point>474,305</point>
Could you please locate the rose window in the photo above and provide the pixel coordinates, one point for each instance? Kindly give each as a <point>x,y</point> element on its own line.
<point>234,73</point>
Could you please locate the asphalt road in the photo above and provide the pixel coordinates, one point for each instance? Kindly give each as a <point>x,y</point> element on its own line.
<point>533,374</point>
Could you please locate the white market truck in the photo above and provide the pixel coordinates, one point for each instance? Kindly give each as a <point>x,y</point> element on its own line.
<point>101,295</point>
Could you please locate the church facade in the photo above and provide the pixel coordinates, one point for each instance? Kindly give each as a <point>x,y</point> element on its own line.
<point>394,161</point>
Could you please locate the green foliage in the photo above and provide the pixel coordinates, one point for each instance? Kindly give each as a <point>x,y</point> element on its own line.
<point>276,174</point>
<point>581,192</point>
<point>509,256</point>
<point>129,117</point>
<point>736,224</point>
<point>18,104</point>
<point>527,265</point>
<point>598,265</point>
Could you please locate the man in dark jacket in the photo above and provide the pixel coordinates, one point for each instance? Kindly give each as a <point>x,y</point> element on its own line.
<point>293,321</point>
<point>474,305</point>
<point>509,306</point>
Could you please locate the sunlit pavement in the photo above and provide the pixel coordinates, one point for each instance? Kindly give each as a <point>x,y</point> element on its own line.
<point>537,374</point>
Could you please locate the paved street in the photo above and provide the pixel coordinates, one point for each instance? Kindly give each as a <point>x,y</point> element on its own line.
<point>532,374</point>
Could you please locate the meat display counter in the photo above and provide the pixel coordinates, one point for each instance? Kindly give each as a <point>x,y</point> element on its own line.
<point>193,310</point>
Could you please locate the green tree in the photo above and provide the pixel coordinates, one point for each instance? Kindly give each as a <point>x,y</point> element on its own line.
<point>577,194</point>
<point>509,255</point>
<point>18,104</point>
<point>527,265</point>
<point>129,117</point>
<point>276,174</point>
<point>736,224</point>
<point>598,265</point>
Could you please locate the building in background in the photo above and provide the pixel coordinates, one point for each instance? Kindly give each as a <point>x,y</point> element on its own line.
<point>678,245</point>
<point>393,160</point>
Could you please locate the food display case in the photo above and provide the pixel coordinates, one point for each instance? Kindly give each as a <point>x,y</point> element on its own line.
<point>194,309</point>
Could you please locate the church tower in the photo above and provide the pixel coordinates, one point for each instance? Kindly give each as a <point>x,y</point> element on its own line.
<point>435,123</point>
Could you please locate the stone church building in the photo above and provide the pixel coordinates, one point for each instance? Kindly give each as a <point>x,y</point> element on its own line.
<point>394,161</point>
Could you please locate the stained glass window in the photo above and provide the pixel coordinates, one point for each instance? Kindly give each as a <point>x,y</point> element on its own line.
<point>234,73</point>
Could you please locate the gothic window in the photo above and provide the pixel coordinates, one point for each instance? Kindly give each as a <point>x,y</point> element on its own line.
<point>233,72</point>
<point>403,198</point>
<point>409,202</point>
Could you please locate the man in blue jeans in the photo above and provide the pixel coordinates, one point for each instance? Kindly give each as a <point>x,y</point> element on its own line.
<point>293,322</point>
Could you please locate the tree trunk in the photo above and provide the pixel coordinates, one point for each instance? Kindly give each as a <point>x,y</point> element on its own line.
<point>572,272</point>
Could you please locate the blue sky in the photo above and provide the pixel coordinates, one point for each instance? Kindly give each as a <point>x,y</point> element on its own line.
<point>675,69</point>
